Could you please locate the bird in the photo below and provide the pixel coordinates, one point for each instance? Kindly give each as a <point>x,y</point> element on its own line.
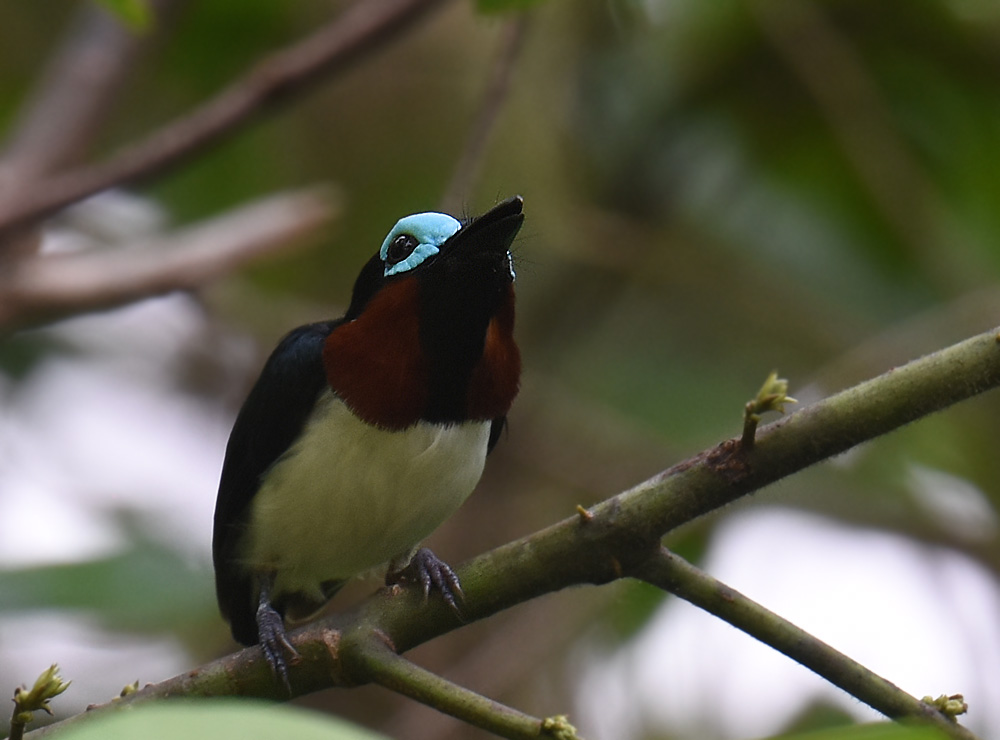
<point>364,433</point>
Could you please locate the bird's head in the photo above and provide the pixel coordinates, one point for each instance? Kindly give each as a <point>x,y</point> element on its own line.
<point>429,331</point>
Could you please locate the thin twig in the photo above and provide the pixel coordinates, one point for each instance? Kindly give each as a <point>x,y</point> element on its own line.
<point>384,667</point>
<point>51,286</point>
<point>540,629</point>
<point>675,575</point>
<point>470,162</point>
<point>63,113</point>
<point>73,97</point>
<point>362,28</point>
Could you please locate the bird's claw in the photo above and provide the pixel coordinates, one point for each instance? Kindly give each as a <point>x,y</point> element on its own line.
<point>431,573</point>
<point>274,643</point>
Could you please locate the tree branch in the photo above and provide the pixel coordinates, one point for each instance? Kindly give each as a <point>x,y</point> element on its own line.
<point>363,27</point>
<point>46,287</point>
<point>623,531</point>
<point>619,535</point>
<point>64,111</point>
<point>673,574</point>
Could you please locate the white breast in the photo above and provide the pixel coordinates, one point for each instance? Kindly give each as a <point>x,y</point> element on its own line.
<point>349,496</point>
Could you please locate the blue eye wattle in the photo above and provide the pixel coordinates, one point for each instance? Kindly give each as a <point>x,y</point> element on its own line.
<point>415,238</point>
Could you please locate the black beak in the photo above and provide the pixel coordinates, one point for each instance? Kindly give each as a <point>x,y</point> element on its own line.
<point>494,231</point>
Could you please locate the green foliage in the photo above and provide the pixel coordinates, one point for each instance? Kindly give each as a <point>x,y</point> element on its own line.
<point>219,720</point>
<point>146,588</point>
<point>135,14</point>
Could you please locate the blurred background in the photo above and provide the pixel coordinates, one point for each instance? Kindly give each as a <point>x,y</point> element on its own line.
<point>713,190</point>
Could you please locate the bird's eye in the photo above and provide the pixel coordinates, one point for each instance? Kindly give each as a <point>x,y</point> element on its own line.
<point>400,248</point>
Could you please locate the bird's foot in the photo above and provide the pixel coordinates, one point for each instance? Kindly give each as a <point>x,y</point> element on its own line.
<point>274,642</point>
<point>430,572</point>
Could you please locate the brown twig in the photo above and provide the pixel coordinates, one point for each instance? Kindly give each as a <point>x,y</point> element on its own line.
<point>72,98</point>
<point>59,120</point>
<point>470,162</point>
<point>51,286</point>
<point>363,27</point>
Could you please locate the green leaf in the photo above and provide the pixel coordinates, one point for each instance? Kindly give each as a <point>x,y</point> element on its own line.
<point>133,13</point>
<point>147,587</point>
<point>219,719</point>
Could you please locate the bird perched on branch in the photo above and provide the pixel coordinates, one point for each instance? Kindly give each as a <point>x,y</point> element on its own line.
<point>364,433</point>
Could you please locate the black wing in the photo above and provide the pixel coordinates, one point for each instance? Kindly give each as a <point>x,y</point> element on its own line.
<point>497,428</point>
<point>271,419</point>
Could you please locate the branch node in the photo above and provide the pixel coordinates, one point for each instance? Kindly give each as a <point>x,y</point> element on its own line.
<point>585,514</point>
<point>331,641</point>
<point>728,459</point>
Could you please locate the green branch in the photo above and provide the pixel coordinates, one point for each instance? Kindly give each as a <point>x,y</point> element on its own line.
<point>675,575</point>
<point>617,536</point>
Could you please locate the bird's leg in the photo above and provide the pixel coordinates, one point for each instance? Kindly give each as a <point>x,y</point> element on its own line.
<point>430,572</point>
<point>271,632</point>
